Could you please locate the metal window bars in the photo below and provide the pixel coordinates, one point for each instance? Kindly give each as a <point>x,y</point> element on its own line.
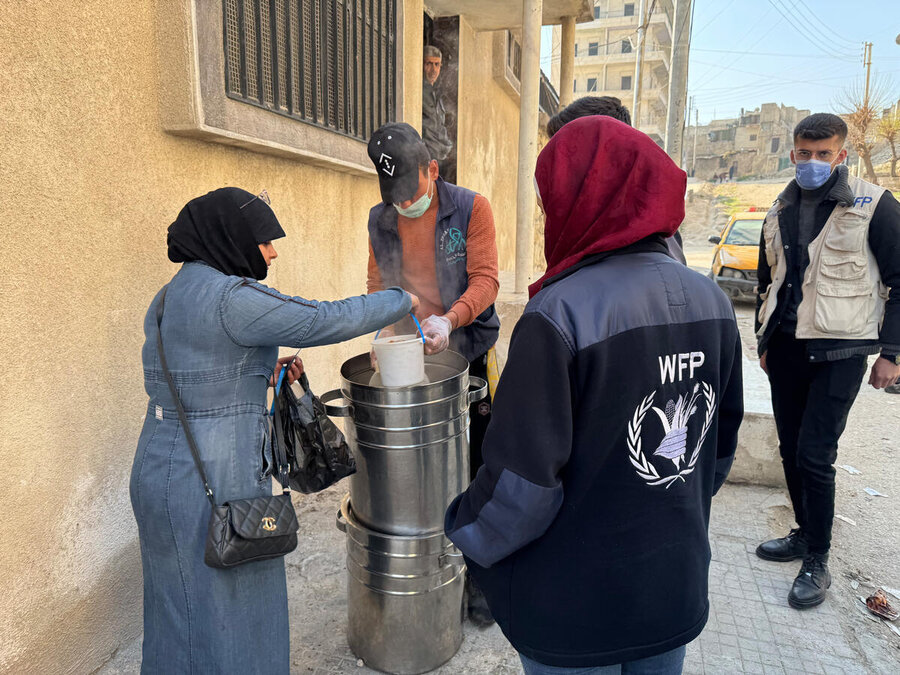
<point>331,63</point>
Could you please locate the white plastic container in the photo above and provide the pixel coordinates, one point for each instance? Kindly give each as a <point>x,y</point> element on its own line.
<point>401,360</point>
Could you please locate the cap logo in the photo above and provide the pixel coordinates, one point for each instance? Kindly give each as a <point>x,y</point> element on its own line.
<point>387,164</point>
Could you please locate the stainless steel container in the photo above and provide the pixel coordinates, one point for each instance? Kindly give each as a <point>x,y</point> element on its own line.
<point>411,443</point>
<point>404,597</point>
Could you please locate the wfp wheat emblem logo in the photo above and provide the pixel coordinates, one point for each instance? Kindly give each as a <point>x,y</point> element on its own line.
<point>675,421</point>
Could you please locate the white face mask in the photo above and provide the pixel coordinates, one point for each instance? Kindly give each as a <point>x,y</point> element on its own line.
<point>418,207</point>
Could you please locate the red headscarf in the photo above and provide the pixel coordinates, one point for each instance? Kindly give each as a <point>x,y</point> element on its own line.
<point>604,186</point>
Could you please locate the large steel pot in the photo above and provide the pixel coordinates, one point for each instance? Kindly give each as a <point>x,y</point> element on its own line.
<point>411,443</point>
<point>404,597</point>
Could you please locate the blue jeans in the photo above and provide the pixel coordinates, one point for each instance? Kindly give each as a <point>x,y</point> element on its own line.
<point>667,663</point>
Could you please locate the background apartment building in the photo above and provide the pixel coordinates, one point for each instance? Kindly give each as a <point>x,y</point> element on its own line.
<point>757,143</point>
<point>606,54</point>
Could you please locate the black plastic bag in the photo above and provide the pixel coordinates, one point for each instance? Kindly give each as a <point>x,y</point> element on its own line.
<point>317,452</point>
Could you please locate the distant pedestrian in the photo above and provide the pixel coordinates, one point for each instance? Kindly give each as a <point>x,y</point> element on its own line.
<point>609,106</point>
<point>830,247</point>
<point>615,422</point>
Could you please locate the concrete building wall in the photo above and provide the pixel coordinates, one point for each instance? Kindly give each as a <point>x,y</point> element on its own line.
<point>90,184</point>
<point>757,143</point>
<point>488,135</point>
<point>611,71</point>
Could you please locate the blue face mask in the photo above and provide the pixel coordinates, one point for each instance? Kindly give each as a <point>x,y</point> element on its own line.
<point>418,207</point>
<point>812,173</point>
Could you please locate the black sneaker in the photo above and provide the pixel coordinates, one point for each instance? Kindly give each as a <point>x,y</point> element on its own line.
<point>787,548</point>
<point>812,583</point>
<point>892,388</point>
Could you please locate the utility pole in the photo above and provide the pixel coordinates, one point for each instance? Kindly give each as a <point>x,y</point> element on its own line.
<point>684,151</point>
<point>638,66</point>
<point>567,62</point>
<point>867,62</point>
<point>696,130</point>
<point>678,75</point>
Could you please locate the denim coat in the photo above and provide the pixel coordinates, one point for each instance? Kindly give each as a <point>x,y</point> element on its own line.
<point>221,336</point>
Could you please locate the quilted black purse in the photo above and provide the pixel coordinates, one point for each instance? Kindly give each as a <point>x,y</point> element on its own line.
<point>242,530</point>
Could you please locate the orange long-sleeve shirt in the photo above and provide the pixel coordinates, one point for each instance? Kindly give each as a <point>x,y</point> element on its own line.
<point>419,270</point>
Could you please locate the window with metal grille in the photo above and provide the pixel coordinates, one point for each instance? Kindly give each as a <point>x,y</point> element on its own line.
<point>593,48</point>
<point>626,82</point>
<point>626,46</point>
<point>629,9</point>
<point>514,55</point>
<point>592,84</point>
<point>331,63</point>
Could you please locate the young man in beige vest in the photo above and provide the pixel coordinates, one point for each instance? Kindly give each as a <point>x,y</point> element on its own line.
<point>830,251</point>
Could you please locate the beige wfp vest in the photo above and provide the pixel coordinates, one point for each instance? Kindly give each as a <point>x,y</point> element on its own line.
<point>843,295</point>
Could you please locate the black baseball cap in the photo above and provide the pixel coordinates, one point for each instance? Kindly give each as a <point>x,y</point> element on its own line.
<point>396,150</point>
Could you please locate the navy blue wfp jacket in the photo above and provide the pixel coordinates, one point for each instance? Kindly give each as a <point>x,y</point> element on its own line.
<point>614,423</point>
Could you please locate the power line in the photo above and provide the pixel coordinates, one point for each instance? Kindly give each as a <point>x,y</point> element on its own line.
<point>815,18</point>
<point>801,31</point>
<point>716,16</point>
<point>750,72</point>
<point>715,73</point>
<point>807,32</point>
<point>767,93</point>
<point>765,82</point>
<point>781,54</point>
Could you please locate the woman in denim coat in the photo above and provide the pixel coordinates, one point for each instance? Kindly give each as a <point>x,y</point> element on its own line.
<point>221,330</point>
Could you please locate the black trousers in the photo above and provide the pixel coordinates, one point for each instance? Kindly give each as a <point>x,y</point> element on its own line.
<point>479,416</point>
<point>811,402</point>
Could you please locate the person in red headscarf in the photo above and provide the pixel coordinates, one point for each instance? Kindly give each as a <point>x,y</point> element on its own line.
<point>615,422</point>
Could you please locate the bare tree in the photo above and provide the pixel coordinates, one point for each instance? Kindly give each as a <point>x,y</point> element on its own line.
<point>860,134</point>
<point>859,111</point>
<point>888,128</point>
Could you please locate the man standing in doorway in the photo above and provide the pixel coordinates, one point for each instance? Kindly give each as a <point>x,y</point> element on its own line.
<point>830,247</point>
<point>434,112</point>
<point>437,238</point>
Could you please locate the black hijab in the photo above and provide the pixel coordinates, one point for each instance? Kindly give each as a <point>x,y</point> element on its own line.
<point>215,229</point>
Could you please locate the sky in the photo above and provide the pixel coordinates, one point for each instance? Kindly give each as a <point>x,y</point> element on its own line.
<point>802,53</point>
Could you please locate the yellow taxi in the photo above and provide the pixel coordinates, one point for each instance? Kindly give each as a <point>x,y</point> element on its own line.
<point>737,254</point>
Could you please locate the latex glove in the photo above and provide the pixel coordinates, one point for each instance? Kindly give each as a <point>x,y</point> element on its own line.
<point>436,330</point>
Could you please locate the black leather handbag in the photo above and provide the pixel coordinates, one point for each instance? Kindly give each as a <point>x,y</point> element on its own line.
<point>317,452</point>
<point>242,530</point>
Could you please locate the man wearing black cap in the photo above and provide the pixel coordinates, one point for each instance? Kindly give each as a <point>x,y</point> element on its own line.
<point>437,240</point>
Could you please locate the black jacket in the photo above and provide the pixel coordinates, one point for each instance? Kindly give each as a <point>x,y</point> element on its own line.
<point>434,122</point>
<point>884,240</point>
<point>587,526</point>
